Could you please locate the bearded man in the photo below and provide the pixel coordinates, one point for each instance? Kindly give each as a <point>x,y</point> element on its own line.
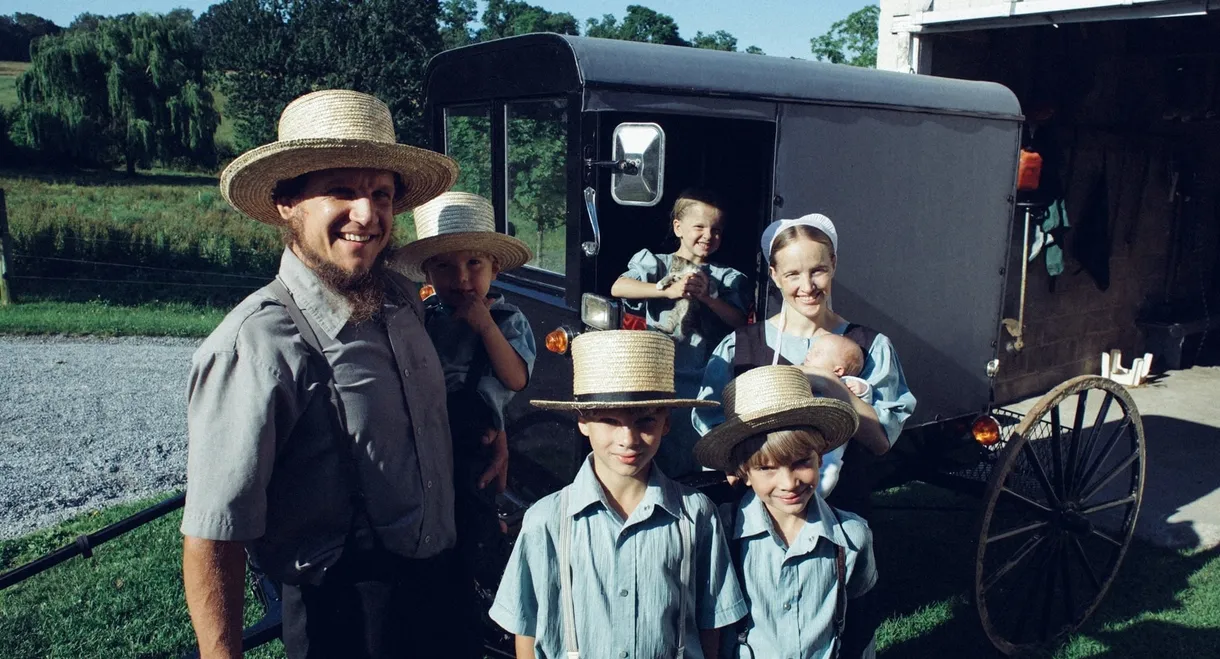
<point>319,443</point>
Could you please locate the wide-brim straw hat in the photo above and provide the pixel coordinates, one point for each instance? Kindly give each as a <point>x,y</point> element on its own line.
<point>454,222</point>
<point>771,398</point>
<point>617,369</point>
<point>333,129</point>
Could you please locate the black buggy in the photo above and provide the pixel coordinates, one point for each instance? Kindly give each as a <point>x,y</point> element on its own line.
<point>583,143</point>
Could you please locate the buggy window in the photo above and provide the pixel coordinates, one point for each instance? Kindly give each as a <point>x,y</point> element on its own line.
<point>468,141</point>
<point>535,154</point>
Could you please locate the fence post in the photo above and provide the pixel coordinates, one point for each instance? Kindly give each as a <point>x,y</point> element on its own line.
<point>6,296</point>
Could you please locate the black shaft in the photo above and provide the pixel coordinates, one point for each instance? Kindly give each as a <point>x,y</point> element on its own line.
<point>84,544</point>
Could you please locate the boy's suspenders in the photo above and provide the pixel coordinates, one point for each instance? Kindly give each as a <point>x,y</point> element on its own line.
<point>743,625</point>
<point>571,646</point>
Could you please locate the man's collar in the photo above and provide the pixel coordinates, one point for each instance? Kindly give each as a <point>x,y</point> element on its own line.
<point>328,310</point>
<point>820,522</point>
<point>586,490</point>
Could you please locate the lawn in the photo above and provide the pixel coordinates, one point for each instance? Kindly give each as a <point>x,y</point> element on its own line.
<point>127,601</point>
<point>97,252</point>
<point>8,82</point>
<point>98,318</point>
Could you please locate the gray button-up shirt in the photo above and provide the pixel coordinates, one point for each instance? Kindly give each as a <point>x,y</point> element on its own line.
<point>262,466</point>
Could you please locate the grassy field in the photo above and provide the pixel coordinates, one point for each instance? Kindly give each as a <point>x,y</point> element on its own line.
<point>98,318</point>
<point>160,253</point>
<point>224,132</point>
<point>127,601</point>
<point>8,82</point>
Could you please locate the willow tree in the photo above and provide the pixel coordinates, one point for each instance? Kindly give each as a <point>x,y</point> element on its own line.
<point>130,90</point>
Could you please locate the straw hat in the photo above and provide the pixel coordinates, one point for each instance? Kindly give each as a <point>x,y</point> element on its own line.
<point>622,368</point>
<point>770,398</point>
<point>332,129</point>
<point>457,221</point>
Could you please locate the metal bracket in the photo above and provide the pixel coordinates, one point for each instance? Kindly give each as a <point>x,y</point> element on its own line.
<point>1016,328</point>
<point>592,248</point>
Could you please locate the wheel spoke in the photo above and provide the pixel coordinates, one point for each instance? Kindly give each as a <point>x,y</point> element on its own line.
<point>1027,502</point>
<point>1015,532</point>
<point>1109,476</point>
<point>1026,550</point>
<point>1082,400</point>
<point>1108,505</point>
<point>1057,453</point>
<point>1064,561</point>
<point>1107,537</point>
<point>1105,453</point>
<point>1048,597</point>
<point>1094,434</point>
<point>1023,616</point>
<point>1084,560</point>
<point>1040,471</point>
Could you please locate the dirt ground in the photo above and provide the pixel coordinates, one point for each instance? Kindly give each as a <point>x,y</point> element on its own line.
<point>1181,416</point>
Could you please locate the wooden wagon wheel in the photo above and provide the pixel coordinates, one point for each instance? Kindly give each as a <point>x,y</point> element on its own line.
<point>1059,513</point>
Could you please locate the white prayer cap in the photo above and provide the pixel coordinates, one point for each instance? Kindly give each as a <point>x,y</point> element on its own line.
<point>815,220</point>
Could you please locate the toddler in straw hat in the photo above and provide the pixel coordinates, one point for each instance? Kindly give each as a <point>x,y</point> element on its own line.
<point>485,344</point>
<point>622,562</point>
<point>806,567</point>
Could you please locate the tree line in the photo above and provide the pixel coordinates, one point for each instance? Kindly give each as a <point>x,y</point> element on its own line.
<point>140,90</point>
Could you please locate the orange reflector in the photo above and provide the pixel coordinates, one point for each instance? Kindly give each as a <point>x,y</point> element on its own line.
<point>557,341</point>
<point>986,430</point>
<point>426,291</point>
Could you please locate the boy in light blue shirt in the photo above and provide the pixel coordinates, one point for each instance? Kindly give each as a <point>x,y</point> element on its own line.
<point>807,569</point>
<point>623,562</point>
<point>486,349</point>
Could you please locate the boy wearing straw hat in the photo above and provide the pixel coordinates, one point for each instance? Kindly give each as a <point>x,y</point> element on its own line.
<point>622,562</point>
<point>316,442</point>
<point>807,569</point>
<point>485,344</point>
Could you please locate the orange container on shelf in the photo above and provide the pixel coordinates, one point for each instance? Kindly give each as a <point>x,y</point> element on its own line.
<point>1029,170</point>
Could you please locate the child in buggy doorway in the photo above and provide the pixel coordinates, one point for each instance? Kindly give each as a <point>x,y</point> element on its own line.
<point>691,299</point>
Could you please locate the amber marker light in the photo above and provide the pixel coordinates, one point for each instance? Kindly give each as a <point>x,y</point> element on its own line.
<point>986,430</point>
<point>426,291</point>
<point>558,341</point>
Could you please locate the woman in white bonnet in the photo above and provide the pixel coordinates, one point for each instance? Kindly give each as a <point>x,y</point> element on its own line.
<point>803,255</point>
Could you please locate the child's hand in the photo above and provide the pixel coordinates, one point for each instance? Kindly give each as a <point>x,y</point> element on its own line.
<point>696,285</point>
<point>476,312</point>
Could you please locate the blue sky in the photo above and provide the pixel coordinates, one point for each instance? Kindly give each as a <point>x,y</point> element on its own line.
<point>779,27</point>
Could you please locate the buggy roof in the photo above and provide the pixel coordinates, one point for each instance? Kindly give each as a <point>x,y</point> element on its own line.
<point>554,63</point>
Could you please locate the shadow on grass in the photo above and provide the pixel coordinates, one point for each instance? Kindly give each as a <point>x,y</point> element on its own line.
<point>1162,603</point>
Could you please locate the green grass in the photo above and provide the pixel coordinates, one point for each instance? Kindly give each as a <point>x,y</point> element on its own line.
<point>127,601</point>
<point>102,319</point>
<point>224,132</point>
<point>151,238</point>
<point>161,253</point>
<point>8,82</point>
<point>1163,602</point>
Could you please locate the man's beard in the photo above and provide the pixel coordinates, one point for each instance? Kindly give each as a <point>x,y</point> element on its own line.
<point>364,291</point>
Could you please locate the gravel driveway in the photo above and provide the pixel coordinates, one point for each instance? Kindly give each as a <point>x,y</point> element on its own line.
<point>86,423</point>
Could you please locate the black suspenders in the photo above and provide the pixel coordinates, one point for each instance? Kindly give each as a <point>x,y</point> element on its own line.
<point>342,438</point>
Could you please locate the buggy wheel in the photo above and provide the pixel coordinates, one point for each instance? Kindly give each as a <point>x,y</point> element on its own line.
<point>1058,515</point>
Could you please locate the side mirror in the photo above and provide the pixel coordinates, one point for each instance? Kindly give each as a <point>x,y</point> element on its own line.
<point>641,149</point>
